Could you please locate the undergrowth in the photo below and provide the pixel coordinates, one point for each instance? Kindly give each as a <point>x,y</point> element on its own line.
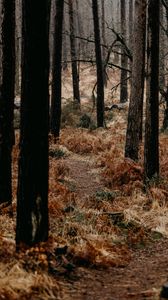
<point>100,231</point>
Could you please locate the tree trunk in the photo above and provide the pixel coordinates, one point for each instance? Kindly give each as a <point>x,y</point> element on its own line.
<point>151,151</point>
<point>124,59</point>
<point>55,116</point>
<point>64,47</point>
<point>137,83</point>
<point>75,75</point>
<point>18,47</point>
<point>32,195</point>
<point>162,51</point>
<point>7,99</point>
<point>131,24</point>
<point>103,41</point>
<point>165,120</point>
<point>99,66</point>
<point>131,9</point>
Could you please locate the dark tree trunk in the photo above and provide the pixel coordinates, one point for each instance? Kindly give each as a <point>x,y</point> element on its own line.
<point>103,28</point>
<point>7,99</point>
<point>55,116</point>
<point>103,41</point>
<point>124,59</point>
<point>64,47</point>
<point>162,83</point>
<point>75,75</point>
<point>151,150</point>
<point>131,9</point>
<point>32,197</point>
<point>162,51</point>
<point>99,66</point>
<point>18,47</point>
<point>137,83</point>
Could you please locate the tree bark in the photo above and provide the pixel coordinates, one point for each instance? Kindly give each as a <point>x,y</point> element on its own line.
<point>137,83</point>
<point>151,150</point>
<point>124,59</point>
<point>55,115</point>
<point>75,75</point>
<point>162,51</point>
<point>7,99</point>
<point>99,66</point>
<point>32,194</point>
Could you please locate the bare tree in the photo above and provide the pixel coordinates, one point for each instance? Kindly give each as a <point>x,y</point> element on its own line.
<point>137,82</point>
<point>55,115</point>
<point>124,59</point>
<point>75,75</point>
<point>32,194</point>
<point>7,98</point>
<point>99,66</point>
<point>151,150</point>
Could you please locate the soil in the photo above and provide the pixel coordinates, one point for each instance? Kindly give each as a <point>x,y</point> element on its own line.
<point>84,175</point>
<point>141,278</point>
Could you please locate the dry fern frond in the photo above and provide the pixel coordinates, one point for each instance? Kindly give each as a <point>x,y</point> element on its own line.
<point>124,174</point>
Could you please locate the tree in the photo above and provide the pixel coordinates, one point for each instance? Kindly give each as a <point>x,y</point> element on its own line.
<point>164,91</point>
<point>131,9</point>
<point>151,151</point>
<point>32,194</point>
<point>7,99</point>
<point>75,75</point>
<point>99,67</point>
<point>55,115</point>
<point>137,83</point>
<point>18,46</point>
<point>124,59</point>
<point>162,50</point>
<point>103,33</point>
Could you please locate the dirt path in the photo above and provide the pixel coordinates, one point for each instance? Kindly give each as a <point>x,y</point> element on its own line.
<point>141,279</point>
<point>84,174</point>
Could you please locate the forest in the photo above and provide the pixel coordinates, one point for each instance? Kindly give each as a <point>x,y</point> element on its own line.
<point>83,149</point>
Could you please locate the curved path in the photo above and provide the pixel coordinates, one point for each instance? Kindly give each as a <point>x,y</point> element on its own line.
<point>141,279</point>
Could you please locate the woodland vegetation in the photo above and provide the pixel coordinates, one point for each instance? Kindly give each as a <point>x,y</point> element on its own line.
<point>83,148</point>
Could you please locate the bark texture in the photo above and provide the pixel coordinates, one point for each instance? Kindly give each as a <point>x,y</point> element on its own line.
<point>99,66</point>
<point>32,197</point>
<point>55,115</point>
<point>124,59</point>
<point>137,82</point>
<point>151,150</point>
<point>75,75</point>
<point>7,98</point>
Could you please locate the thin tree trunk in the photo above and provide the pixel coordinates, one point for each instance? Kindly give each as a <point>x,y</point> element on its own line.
<point>137,84</point>
<point>32,194</point>
<point>131,24</point>
<point>162,51</point>
<point>99,66</point>
<point>18,47</point>
<point>124,59</point>
<point>64,47</point>
<point>75,75</point>
<point>55,116</point>
<point>104,42</point>
<point>151,149</point>
<point>116,55</point>
<point>7,99</point>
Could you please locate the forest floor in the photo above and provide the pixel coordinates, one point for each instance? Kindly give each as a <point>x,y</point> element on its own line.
<point>140,278</point>
<point>108,234</point>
